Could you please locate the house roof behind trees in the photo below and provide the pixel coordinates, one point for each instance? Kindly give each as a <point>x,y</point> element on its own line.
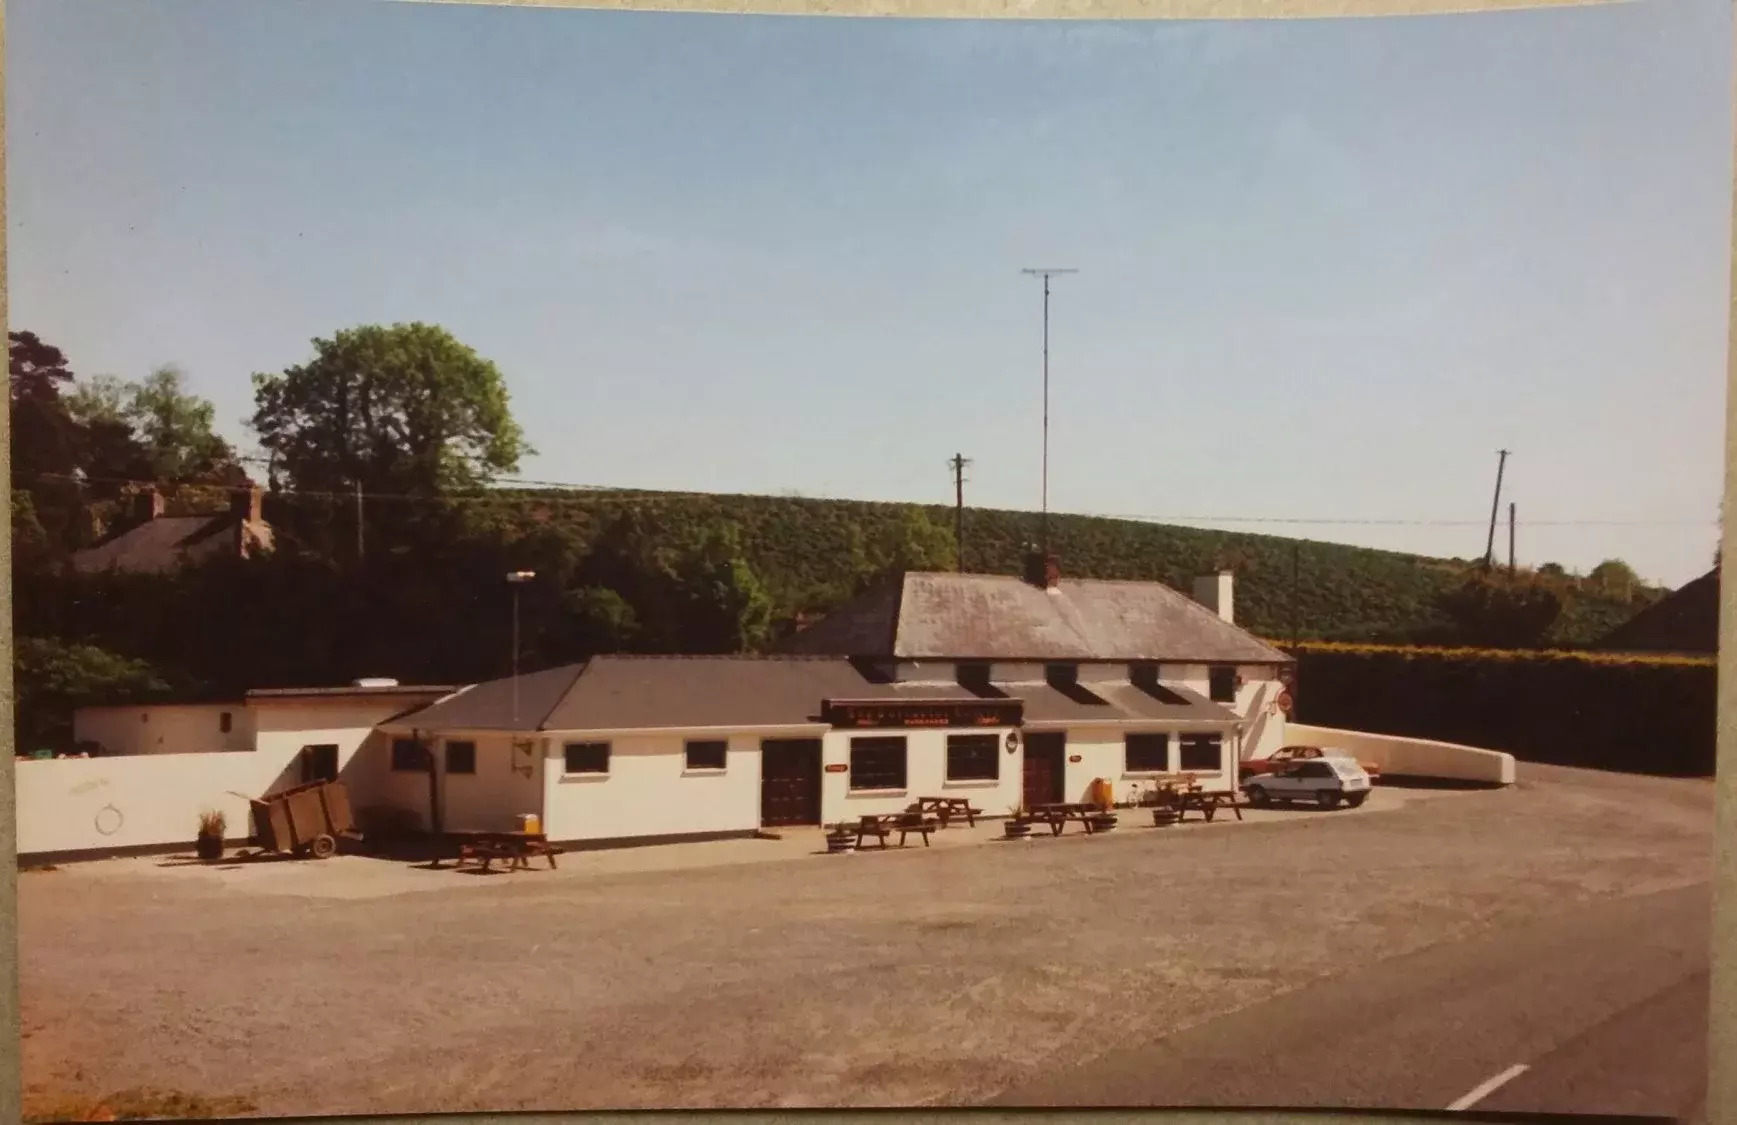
<point>1685,621</point>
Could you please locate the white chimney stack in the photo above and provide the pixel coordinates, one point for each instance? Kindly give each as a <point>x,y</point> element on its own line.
<point>1214,591</point>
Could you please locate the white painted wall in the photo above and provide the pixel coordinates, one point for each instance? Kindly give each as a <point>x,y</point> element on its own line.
<point>507,783</point>
<point>925,775</point>
<point>1102,755</point>
<point>164,728</point>
<point>1413,757</point>
<point>649,791</point>
<point>75,804</point>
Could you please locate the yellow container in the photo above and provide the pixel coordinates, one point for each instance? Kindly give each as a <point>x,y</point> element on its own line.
<point>1102,794</point>
<point>530,823</point>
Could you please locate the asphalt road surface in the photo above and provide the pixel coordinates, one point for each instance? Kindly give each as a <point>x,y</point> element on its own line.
<point>1603,1006</point>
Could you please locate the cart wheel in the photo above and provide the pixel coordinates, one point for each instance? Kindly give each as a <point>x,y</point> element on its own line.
<point>323,847</point>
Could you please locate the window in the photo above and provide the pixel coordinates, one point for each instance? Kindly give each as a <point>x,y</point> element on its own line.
<point>1203,752</point>
<point>409,754</point>
<point>877,763</point>
<point>226,722</point>
<point>461,757</point>
<point>320,763</point>
<point>973,757</point>
<point>707,754</point>
<point>1061,675</point>
<point>1143,674</point>
<point>1146,753</point>
<point>587,757</point>
<point>1222,684</point>
<point>974,675</point>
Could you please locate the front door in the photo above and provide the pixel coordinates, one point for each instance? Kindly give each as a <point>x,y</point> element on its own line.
<point>1045,767</point>
<point>789,782</point>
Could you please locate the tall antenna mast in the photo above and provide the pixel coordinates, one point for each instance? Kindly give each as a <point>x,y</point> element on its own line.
<point>1046,273</point>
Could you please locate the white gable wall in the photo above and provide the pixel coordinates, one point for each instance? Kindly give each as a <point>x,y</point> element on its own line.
<point>163,728</point>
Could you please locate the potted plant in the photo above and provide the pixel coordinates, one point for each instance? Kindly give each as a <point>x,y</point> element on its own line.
<point>1165,808</point>
<point>1103,820</point>
<point>840,838</point>
<point>209,843</point>
<point>1018,827</point>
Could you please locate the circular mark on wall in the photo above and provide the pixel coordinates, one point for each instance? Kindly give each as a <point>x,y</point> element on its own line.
<point>109,820</point>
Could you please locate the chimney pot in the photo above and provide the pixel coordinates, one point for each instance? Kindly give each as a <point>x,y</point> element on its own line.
<point>1042,570</point>
<point>148,504</point>
<point>246,504</point>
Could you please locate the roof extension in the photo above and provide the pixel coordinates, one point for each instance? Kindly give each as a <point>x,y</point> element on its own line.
<point>938,616</point>
<point>610,693</point>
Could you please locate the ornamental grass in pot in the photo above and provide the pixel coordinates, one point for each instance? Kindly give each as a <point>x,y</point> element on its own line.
<point>840,838</point>
<point>1018,825</point>
<point>208,844</point>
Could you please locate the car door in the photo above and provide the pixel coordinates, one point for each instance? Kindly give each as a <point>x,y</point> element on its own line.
<point>1285,783</point>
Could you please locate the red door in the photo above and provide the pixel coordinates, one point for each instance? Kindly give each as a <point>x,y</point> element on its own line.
<point>1045,767</point>
<point>789,782</point>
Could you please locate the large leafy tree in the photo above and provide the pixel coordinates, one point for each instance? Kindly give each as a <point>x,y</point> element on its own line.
<point>154,428</point>
<point>45,438</point>
<point>400,408</point>
<point>1492,609</point>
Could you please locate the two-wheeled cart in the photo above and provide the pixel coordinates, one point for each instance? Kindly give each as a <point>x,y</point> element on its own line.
<point>307,820</point>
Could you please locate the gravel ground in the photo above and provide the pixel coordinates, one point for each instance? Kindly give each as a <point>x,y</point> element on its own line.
<point>935,977</point>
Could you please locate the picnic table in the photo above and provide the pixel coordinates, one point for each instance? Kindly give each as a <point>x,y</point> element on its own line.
<point>883,825</point>
<point>946,808</point>
<point>1207,804</point>
<point>512,849</point>
<point>1058,815</point>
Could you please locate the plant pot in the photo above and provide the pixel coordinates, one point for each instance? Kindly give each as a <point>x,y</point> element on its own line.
<point>208,847</point>
<point>1017,829</point>
<point>1163,816</point>
<point>1103,823</point>
<point>840,843</point>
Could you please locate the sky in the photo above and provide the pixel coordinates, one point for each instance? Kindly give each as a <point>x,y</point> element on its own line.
<point>1326,268</point>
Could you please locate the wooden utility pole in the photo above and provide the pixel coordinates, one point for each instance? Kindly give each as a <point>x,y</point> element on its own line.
<point>358,521</point>
<point>1495,507</point>
<point>958,464</point>
<point>1511,568</point>
<point>1296,570</point>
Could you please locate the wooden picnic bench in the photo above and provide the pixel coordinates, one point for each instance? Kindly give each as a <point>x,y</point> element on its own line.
<point>1207,804</point>
<point>1058,815</point>
<point>513,850</point>
<point>947,808</point>
<point>883,825</point>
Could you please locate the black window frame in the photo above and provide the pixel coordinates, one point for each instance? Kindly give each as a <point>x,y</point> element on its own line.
<point>862,766</point>
<point>456,744</point>
<point>1194,742</point>
<point>1225,675</point>
<point>226,722</point>
<point>1064,675</point>
<point>409,756</point>
<point>720,746</point>
<point>567,759</point>
<point>1147,741</point>
<point>973,747</point>
<point>308,758</point>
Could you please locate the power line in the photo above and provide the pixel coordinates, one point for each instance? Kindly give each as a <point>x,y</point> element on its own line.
<point>590,495</point>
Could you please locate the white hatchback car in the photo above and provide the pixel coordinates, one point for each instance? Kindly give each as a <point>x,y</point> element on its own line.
<point>1327,781</point>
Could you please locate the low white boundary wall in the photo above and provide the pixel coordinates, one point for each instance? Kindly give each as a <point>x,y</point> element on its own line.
<point>1411,757</point>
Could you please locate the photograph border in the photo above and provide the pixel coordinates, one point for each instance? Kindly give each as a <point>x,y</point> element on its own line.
<point>1721,1100</point>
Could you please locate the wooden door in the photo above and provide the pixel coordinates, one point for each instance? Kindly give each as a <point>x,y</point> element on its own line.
<point>1045,768</point>
<point>789,782</point>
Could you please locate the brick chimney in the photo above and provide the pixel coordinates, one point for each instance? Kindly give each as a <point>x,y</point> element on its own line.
<point>1215,592</point>
<point>245,504</point>
<point>147,504</point>
<point>1042,570</point>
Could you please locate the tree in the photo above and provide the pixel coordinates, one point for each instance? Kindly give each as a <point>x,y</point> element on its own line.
<point>45,438</point>
<point>727,607</point>
<point>405,408</point>
<point>1491,609</point>
<point>175,429</point>
<point>54,677</point>
<point>1616,578</point>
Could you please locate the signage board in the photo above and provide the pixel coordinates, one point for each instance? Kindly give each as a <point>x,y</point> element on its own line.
<point>836,767</point>
<point>899,714</point>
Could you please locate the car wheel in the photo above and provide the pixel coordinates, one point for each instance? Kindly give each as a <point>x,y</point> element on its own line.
<point>1327,798</point>
<point>1356,799</point>
<point>1257,796</point>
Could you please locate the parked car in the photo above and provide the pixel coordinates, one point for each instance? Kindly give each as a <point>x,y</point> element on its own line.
<point>1256,766</point>
<point>1326,781</point>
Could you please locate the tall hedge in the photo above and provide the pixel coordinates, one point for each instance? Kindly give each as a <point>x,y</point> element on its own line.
<point>1640,714</point>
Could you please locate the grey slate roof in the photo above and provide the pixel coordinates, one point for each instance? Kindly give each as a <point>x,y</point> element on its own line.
<point>629,692</point>
<point>653,692</point>
<point>936,616</point>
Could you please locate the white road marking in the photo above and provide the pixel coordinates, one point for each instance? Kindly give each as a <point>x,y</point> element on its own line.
<point>1488,1088</point>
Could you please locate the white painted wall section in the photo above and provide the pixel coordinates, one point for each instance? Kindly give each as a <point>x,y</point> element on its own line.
<point>164,728</point>
<point>649,791</point>
<point>1413,757</point>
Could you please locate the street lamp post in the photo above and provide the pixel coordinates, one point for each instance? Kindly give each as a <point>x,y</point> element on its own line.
<point>515,579</point>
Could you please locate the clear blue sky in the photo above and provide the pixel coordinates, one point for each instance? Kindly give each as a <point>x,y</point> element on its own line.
<point>1328,268</point>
